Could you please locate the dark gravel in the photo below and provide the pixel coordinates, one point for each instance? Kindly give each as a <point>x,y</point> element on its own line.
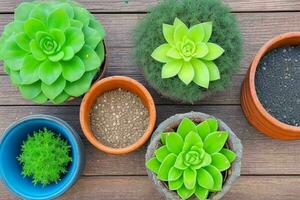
<point>277,83</point>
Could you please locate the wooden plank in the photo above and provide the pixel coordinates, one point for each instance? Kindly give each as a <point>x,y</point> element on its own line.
<point>119,34</point>
<point>120,60</point>
<point>136,188</point>
<point>262,155</point>
<point>11,96</point>
<point>143,5</point>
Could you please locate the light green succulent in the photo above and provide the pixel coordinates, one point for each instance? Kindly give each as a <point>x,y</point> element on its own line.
<point>52,50</point>
<point>192,159</point>
<point>188,53</point>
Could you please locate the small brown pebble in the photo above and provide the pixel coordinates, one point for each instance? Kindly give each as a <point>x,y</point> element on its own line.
<point>116,125</point>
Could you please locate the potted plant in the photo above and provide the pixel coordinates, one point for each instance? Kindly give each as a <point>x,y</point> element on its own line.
<point>117,115</point>
<point>188,49</point>
<point>41,157</point>
<point>53,50</point>
<point>193,155</point>
<point>270,97</point>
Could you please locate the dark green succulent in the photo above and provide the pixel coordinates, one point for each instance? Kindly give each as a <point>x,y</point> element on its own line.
<point>192,159</point>
<point>52,50</point>
<point>44,157</point>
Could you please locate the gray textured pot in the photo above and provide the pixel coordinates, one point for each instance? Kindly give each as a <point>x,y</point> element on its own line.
<point>233,143</point>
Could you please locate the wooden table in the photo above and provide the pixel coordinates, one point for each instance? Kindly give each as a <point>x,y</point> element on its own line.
<point>270,169</point>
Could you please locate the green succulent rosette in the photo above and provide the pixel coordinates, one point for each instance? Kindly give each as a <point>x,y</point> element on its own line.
<point>192,159</point>
<point>52,50</point>
<point>188,53</point>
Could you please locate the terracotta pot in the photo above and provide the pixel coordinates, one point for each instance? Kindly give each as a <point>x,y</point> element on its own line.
<point>171,124</point>
<point>100,73</point>
<point>108,84</point>
<point>254,111</point>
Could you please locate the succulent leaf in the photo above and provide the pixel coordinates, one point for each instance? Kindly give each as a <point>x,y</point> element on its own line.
<point>186,73</point>
<point>201,77</point>
<point>197,33</point>
<point>53,90</point>
<point>174,174</point>
<point>48,40</point>
<point>30,71</point>
<point>30,91</point>
<point>153,164</point>
<point>59,19</point>
<point>73,69</point>
<point>214,73</point>
<point>171,69</point>
<point>62,97</point>
<point>215,141</point>
<point>50,71</point>
<point>180,164</point>
<point>205,179</point>
<point>192,139</point>
<point>165,167</point>
<point>174,143</point>
<point>214,51</point>
<point>189,178</point>
<point>175,185</point>
<point>220,162</point>
<point>207,26</point>
<point>230,155</point>
<point>185,127</point>
<point>186,52</point>
<point>168,31</point>
<point>185,193</point>
<point>217,176</point>
<point>41,98</point>
<point>163,137</point>
<point>77,88</point>
<point>161,153</point>
<point>201,193</point>
<point>213,124</point>
<point>15,78</point>
<point>23,41</point>
<point>160,53</point>
<point>192,158</point>
<point>203,129</point>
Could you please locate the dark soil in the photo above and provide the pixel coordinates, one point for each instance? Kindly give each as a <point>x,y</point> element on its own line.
<point>119,118</point>
<point>277,83</point>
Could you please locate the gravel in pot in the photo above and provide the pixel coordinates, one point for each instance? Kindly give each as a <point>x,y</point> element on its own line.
<point>277,83</point>
<point>119,118</point>
<point>117,115</point>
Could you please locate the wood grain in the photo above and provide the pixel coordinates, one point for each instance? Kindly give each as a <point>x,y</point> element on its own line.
<point>143,5</point>
<point>270,169</point>
<point>137,188</point>
<point>121,62</point>
<point>11,96</point>
<point>262,155</point>
<point>119,34</point>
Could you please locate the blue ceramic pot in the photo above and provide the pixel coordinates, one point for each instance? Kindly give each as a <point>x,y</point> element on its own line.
<point>10,147</point>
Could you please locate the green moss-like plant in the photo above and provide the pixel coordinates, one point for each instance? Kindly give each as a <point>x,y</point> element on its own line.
<point>52,50</point>
<point>44,157</point>
<point>148,35</point>
<point>192,159</point>
<point>188,53</point>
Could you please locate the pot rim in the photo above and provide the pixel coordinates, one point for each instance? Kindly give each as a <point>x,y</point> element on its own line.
<point>85,125</point>
<point>233,141</point>
<point>78,153</point>
<point>252,72</point>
